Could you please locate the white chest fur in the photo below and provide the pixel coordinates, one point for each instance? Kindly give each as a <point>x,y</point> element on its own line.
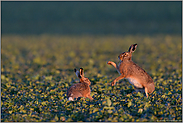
<point>134,82</point>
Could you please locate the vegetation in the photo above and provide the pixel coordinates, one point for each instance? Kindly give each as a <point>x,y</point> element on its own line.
<point>36,72</point>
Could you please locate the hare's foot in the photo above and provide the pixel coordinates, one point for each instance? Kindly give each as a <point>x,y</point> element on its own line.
<point>146,92</point>
<point>113,83</point>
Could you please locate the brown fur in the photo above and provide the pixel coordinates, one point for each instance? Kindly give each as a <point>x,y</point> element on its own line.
<point>128,69</point>
<point>80,89</point>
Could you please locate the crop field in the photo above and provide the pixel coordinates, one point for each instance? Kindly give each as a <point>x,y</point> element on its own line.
<point>36,72</point>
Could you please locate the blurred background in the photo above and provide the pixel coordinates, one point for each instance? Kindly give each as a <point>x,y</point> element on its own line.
<point>95,18</point>
<point>42,43</point>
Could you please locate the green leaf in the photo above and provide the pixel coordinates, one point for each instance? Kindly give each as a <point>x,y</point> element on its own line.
<point>109,102</point>
<point>56,118</point>
<point>129,103</point>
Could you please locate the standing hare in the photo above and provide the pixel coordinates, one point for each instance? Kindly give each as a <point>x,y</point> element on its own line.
<point>131,71</point>
<point>80,89</point>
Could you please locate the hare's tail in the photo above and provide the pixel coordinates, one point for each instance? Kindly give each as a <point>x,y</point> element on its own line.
<point>70,99</point>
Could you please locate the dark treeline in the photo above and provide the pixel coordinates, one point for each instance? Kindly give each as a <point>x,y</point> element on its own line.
<point>121,17</point>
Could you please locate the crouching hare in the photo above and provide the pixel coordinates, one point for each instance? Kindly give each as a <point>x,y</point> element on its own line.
<point>80,89</point>
<point>131,71</point>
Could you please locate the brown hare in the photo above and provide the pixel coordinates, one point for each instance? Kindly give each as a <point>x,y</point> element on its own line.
<point>80,89</point>
<point>131,71</point>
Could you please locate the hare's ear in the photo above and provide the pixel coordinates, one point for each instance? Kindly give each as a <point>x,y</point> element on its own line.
<point>77,73</point>
<point>81,72</point>
<point>132,48</point>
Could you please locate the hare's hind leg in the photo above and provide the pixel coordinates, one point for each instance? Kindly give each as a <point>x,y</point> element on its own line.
<point>117,79</point>
<point>74,94</point>
<point>141,90</point>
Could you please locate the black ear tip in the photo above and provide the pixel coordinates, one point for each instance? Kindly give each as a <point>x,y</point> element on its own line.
<point>134,45</point>
<point>81,68</point>
<point>75,70</point>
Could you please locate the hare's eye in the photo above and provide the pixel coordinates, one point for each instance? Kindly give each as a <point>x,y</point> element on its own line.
<point>126,54</point>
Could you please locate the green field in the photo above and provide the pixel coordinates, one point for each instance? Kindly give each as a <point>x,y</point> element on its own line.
<point>36,72</point>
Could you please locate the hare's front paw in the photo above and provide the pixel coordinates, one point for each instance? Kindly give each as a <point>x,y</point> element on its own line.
<point>113,83</point>
<point>109,62</point>
<point>90,98</point>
